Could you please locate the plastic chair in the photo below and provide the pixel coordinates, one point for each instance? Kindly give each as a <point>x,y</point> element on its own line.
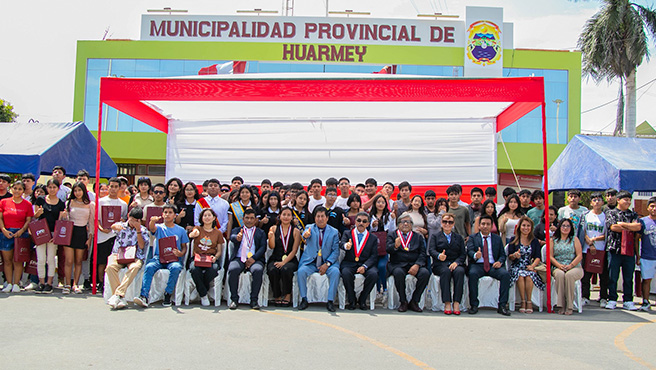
<point>244,287</point>
<point>578,295</point>
<point>435,295</point>
<point>216,287</point>
<point>132,291</point>
<point>359,285</point>
<point>537,295</point>
<point>393,299</point>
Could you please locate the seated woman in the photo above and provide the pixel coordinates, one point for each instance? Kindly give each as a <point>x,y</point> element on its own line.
<point>449,255</point>
<point>284,239</point>
<point>566,268</point>
<point>208,240</point>
<point>524,252</point>
<point>491,209</point>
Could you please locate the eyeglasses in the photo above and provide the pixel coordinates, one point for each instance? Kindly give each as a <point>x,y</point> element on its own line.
<point>448,222</point>
<point>362,220</point>
<point>158,192</point>
<point>331,195</point>
<point>406,222</point>
<point>225,190</point>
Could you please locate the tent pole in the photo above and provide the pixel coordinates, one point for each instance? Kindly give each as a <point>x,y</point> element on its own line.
<point>95,217</point>
<point>547,225</point>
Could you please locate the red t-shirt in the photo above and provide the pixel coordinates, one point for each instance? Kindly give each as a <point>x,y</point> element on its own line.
<point>13,214</point>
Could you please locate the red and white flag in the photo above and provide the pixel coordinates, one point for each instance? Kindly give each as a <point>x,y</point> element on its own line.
<point>389,70</point>
<point>228,68</point>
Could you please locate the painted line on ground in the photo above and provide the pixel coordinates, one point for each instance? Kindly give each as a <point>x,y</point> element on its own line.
<point>619,343</point>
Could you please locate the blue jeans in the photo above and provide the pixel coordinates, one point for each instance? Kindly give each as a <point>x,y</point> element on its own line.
<point>8,244</point>
<point>382,273</point>
<point>152,267</point>
<point>333,277</point>
<point>627,264</point>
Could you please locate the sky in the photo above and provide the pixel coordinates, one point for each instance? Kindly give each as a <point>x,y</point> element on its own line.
<point>37,62</point>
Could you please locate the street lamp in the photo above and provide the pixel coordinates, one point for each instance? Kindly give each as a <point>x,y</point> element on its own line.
<point>258,11</point>
<point>437,15</point>
<point>167,10</point>
<point>349,12</point>
<point>557,101</point>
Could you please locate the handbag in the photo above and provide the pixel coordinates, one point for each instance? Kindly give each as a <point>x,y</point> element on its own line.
<point>541,269</point>
<point>594,263</point>
<point>63,232</point>
<point>126,255</point>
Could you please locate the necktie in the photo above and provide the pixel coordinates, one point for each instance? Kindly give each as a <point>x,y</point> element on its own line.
<point>244,250</point>
<point>319,259</point>
<point>360,236</point>
<point>486,256</point>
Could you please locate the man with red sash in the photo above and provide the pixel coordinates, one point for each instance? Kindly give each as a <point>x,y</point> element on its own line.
<point>407,252</point>
<point>361,257</point>
<point>214,201</point>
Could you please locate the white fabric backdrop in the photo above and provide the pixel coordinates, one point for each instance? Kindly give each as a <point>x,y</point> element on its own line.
<point>421,151</point>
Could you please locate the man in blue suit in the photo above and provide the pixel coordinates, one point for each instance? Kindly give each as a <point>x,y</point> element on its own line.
<point>487,258</point>
<point>320,255</point>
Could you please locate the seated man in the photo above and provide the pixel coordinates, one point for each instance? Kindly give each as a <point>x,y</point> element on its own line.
<point>361,257</point>
<point>130,234</point>
<point>248,248</point>
<point>487,258</point>
<point>320,255</point>
<point>166,229</point>
<point>407,254</point>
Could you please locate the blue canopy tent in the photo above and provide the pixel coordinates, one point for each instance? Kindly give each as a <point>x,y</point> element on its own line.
<point>602,162</point>
<point>38,147</point>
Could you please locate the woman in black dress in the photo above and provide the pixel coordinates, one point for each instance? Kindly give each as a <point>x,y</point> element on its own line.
<point>284,239</point>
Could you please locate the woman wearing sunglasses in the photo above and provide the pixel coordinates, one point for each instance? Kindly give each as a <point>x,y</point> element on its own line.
<point>449,255</point>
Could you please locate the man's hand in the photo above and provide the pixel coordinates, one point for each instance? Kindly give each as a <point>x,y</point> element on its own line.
<point>348,245</point>
<point>155,219</point>
<point>177,253</point>
<point>323,269</point>
<point>496,265</point>
<point>240,235</point>
<point>397,242</point>
<point>307,234</point>
<point>478,254</point>
<point>249,262</point>
<point>453,266</point>
<point>442,257</point>
<point>360,270</point>
<point>413,270</point>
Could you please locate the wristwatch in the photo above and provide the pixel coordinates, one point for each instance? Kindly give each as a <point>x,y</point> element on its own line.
<point>328,263</point>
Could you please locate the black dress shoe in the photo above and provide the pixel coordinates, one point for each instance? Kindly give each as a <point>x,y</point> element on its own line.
<point>403,307</point>
<point>331,307</point>
<point>363,306</point>
<point>303,305</point>
<point>350,306</point>
<point>255,306</point>
<point>504,311</point>
<point>413,306</point>
<point>473,310</point>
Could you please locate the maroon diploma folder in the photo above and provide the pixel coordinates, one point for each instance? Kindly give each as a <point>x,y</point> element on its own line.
<point>40,231</point>
<point>152,212</point>
<point>594,263</point>
<point>63,232</point>
<point>110,216</point>
<point>203,260</point>
<point>166,247</point>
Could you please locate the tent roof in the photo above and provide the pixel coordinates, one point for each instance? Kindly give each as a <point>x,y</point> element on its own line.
<point>131,95</point>
<point>602,162</point>
<point>645,129</point>
<point>38,147</point>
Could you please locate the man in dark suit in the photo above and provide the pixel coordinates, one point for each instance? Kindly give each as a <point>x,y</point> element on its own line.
<point>249,245</point>
<point>487,258</point>
<point>361,257</point>
<point>407,253</point>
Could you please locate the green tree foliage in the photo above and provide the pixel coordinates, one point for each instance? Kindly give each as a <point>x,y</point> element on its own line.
<point>7,113</point>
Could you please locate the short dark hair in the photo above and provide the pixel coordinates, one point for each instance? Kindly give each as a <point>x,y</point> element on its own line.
<point>524,192</point>
<point>265,181</point>
<point>390,184</point>
<point>145,180</point>
<point>485,216</point>
<point>576,192</point>
<point>249,211</point>
<point>113,179</point>
<point>371,181</point>
<point>320,209</point>
<point>276,184</point>
<point>28,175</point>
<point>508,192</point>
<point>169,206</point>
<point>429,193</point>
<point>651,200</point>
<point>331,181</point>
<point>459,187</point>
<point>490,190</point>
<point>476,189</point>
<point>331,190</point>
<point>136,212</point>
<point>4,176</point>
<point>296,186</point>
<point>159,184</point>
<point>83,173</point>
<point>363,214</point>
<point>359,185</point>
<point>405,184</point>
<point>62,169</point>
<point>597,194</point>
<point>452,189</point>
<point>344,178</point>
<point>353,197</point>
<point>316,181</point>
<point>123,180</point>
<point>214,181</point>
<point>205,183</point>
<point>611,191</point>
<point>237,178</point>
<point>537,194</point>
<point>624,194</point>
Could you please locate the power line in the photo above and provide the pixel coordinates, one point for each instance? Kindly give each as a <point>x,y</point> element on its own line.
<point>614,100</point>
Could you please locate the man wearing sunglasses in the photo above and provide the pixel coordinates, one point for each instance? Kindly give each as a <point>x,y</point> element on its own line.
<point>361,257</point>
<point>407,253</point>
<point>159,193</point>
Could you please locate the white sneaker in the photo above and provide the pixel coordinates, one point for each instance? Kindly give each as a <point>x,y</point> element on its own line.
<point>586,302</point>
<point>630,306</point>
<point>31,286</point>
<point>603,303</point>
<point>113,301</point>
<point>7,289</point>
<point>204,301</point>
<point>122,303</point>
<point>611,305</point>
<point>15,289</point>
<point>645,306</point>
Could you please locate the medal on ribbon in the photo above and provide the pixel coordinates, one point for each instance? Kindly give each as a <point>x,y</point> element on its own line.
<point>285,240</point>
<point>359,246</point>
<point>404,241</point>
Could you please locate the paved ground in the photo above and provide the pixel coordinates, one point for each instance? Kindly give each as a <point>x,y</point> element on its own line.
<point>59,331</point>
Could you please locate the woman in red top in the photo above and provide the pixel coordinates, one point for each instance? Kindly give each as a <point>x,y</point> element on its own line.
<point>15,214</point>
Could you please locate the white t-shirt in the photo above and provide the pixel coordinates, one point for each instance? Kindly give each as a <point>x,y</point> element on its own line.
<point>313,203</point>
<point>341,203</point>
<point>107,201</point>
<point>594,225</point>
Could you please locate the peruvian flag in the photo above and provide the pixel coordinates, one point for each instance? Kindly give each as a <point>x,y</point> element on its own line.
<point>388,70</point>
<point>229,68</point>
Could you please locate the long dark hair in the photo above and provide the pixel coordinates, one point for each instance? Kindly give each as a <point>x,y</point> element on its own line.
<point>557,235</point>
<point>506,208</point>
<point>200,217</point>
<point>285,208</point>
<point>518,233</point>
<point>374,211</point>
<point>421,210</point>
<point>495,218</point>
<point>193,185</point>
<point>179,197</point>
<point>264,203</point>
<point>250,191</point>
<point>307,195</point>
<point>276,195</point>
<point>71,196</point>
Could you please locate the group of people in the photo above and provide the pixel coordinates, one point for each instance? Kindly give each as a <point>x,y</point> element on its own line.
<point>347,232</point>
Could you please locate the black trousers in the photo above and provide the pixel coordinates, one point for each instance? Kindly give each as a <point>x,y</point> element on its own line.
<point>282,278</point>
<point>422,276</point>
<point>235,268</point>
<point>348,278</point>
<point>476,272</point>
<point>604,278</point>
<point>446,275</point>
<point>202,277</point>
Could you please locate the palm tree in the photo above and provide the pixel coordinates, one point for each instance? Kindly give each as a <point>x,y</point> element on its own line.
<point>614,43</point>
